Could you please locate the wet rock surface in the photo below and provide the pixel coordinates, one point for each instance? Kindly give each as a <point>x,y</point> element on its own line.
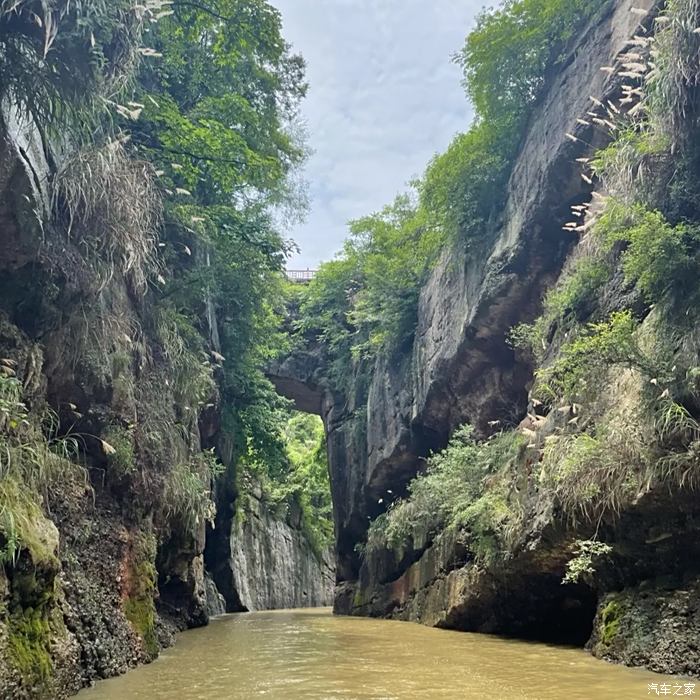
<point>216,603</point>
<point>272,565</point>
<point>656,625</point>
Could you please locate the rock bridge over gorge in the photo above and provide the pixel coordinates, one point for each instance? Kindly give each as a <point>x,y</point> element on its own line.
<point>460,368</point>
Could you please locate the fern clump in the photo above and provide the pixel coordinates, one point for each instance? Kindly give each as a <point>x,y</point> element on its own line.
<point>465,489</point>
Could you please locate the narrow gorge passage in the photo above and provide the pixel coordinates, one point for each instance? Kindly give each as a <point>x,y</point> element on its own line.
<point>477,409</point>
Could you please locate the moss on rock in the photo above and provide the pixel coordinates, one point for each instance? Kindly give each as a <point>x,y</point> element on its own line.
<point>609,622</point>
<point>139,605</point>
<point>29,636</point>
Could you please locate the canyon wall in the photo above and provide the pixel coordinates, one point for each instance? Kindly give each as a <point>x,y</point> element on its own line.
<point>109,561</point>
<point>461,369</point>
<point>272,565</point>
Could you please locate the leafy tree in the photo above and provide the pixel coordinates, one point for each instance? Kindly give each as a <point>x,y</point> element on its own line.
<point>507,57</point>
<point>365,301</point>
<point>218,103</point>
<point>308,479</point>
<point>395,248</point>
<point>214,114</point>
<point>324,309</point>
<point>464,186</point>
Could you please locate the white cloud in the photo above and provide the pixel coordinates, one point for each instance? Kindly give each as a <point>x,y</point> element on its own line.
<point>384,97</point>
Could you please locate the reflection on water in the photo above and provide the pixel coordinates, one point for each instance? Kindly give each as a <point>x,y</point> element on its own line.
<point>311,654</point>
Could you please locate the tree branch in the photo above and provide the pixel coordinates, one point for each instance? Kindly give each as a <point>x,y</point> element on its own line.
<point>207,10</point>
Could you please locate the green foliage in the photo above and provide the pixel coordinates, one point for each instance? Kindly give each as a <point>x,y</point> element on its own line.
<point>300,480</point>
<point>257,426</point>
<point>110,205</point>
<point>121,457</point>
<point>324,314</point>
<point>31,465</point>
<point>632,165</point>
<point>678,435</point>
<point>507,57</point>
<point>566,305</point>
<point>23,525</point>
<point>582,564</point>
<point>215,124</point>
<point>191,372</point>
<point>592,474</point>
<point>217,103</point>
<point>366,301</point>
<point>662,260</point>
<point>574,297</point>
<point>464,186</point>
<point>12,411</point>
<point>308,481</point>
<point>611,454</point>
<point>393,250</point>
<point>673,84</point>
<point>584,361</point>
<point>460,491</point>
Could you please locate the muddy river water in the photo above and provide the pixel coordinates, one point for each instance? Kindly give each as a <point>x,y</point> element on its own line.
<point>310,654</point>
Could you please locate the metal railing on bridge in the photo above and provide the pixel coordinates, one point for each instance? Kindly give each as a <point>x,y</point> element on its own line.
<point>301,276</point>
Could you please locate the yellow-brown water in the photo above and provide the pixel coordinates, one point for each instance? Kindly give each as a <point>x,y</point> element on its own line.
<point>310,654</point>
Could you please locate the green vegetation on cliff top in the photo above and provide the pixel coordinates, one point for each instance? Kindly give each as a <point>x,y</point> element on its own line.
<point>364,302</point>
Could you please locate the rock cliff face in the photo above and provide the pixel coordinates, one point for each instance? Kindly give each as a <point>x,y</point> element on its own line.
<point>462,370</point>
<point>108,569</point>
<point>272,565</point>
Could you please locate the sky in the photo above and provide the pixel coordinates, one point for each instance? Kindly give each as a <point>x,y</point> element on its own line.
<point>384,97</point>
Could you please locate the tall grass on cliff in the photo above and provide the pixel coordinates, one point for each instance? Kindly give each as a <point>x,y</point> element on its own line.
<point>464,490</point>
<point>188,494</point>
<point>34,461</point>
<point>674,82</point>
<point>657,129</point>
<point>111,207</point>
<point>59,60</point>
